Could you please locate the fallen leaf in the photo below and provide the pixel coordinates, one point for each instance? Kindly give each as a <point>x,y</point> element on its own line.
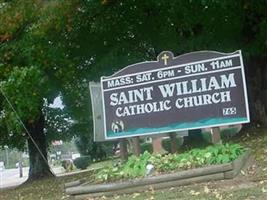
<point>197,193</point>
<point>206,189</point>
<point>218,196</point>
<point>135,195</point>
<point>194,193</point>
<point>152,191</point>
<point>242,172</point>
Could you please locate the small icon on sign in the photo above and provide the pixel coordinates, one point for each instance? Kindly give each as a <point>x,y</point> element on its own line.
<point>117,126</point>
<point>165,58</point>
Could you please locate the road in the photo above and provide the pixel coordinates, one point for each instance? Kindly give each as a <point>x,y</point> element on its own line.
<point>10,177</point>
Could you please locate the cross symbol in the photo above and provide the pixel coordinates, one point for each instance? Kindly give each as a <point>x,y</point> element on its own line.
<point>165,57</point>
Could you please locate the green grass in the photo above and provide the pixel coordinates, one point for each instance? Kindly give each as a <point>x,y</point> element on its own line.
<point>198,192</point>
<point>45,189</point>
<point>99,165</point>
<point>251,184</point>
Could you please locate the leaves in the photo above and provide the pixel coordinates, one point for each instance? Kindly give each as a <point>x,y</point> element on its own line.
<point>136,166</point>
<point>206,189</point>
<point>24,88</point>
<point>73,42</point>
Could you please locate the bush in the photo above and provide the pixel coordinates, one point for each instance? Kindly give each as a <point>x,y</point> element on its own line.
<point>166,144</point>
<point>98,150</point>
<point>146,147</point>
<point>82,162</point>
<point>136,166</point>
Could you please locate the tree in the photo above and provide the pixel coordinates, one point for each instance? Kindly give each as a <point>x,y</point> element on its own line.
<point>113,34</point>
<point>30,66</point>
<point>21,85</point>
<point>56,47</point>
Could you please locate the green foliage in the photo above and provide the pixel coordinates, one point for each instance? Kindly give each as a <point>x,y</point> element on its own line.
<point>166,143</point>
<point>226,134</point>
<point>229,133</point>
<point>97,151</point>
<point>109,173</point>
<point>136,166</point>
<point>24,88</point>
<point>34,65</point>
<point>146,147</point>
<point>82,162</point>
<point>66,44</point>
<point>217,154</point>
<point>12,157</point>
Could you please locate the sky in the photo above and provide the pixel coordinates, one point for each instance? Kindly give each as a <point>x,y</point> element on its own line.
<point>57,103</point>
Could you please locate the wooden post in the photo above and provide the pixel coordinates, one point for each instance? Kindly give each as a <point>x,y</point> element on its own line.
<point>173,142</point>
<point>215,135</point>
<point>157,146</point>
<point>136,146</point>
<point>123,149</point>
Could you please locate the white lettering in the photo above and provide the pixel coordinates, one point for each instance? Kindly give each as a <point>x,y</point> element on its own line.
<point>205,99</point>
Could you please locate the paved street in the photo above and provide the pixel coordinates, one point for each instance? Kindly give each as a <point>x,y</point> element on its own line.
<point>10,177</point>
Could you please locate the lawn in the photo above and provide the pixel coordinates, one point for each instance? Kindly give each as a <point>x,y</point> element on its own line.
<point>250,184</point>
<point>46,189</point>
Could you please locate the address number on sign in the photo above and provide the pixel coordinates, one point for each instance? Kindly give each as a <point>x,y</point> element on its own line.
<point>229,111</point>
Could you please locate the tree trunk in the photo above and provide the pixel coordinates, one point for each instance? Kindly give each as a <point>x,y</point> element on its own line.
<point>257,89</point>
<point>39,167</point>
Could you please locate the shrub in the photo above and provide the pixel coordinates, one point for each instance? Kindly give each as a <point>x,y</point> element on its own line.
<point>82,162</point>
<point>166,143</point>
<point>136,166</point>
<point>146,147</point>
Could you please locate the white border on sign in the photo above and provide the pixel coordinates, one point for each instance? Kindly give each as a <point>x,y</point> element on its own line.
<point>91,85</point>
<point>104,111</point>
<point>245,85</point>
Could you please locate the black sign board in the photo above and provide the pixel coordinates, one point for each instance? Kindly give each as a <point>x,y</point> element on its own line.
<point>191,91</point>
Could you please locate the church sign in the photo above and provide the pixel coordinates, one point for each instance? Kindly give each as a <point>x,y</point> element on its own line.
<point>195,90</point>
